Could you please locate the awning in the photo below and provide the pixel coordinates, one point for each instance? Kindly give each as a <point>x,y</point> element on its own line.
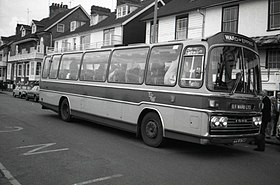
<point>271,41</point>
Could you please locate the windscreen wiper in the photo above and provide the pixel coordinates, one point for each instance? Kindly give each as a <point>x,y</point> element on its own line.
<point>239,77</point>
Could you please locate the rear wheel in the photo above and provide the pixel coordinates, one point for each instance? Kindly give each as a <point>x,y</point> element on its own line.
<point>151,130</point>
<point>64,110</point>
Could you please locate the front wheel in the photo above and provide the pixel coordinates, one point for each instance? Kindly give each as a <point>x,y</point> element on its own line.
<point>65,110</point>
<point>151,130</point>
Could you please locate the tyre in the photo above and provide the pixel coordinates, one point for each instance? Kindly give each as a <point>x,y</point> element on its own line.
<point>151,130</point>
<point>64,110</point>
<point>36,98</point>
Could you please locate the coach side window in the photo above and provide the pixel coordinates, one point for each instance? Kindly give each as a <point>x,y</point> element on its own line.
<point>94,66</point>
<point>127,65</point>
<point>46,67</point>
<point>54,66</point>
<point>69,67</point>
<point>163,65</point>
<point>192,66</point>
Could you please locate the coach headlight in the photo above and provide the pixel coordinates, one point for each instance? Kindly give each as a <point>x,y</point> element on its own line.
<point>219,121</point>
<point>257,121</point>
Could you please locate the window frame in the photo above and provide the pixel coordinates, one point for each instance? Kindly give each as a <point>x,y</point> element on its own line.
<point>230,21</point>
<point>106,69</point>
<point>23,32</point>
<point>51,63</point>
<point>73,26</point>
<point>60,26</point>
<point>38,68</point>
<point>202,68</point>
<point>78,69</point>
<point>269,17</point>
<point>111,33</point>
<point>34,28</point>
<point>144,69</point>
<point>147,69</point>
<point>268,63</point>
<point>46,68</point>
<point>181,17</point>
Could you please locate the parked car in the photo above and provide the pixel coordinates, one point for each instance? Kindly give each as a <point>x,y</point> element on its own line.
<point>33,93</point>
<point>20,91</point>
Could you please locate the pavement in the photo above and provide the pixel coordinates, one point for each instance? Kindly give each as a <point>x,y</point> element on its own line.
<point>272,140</point>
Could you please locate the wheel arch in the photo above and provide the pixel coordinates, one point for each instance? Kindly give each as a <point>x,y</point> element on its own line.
<point>144,112</point>
<point>60,101</point>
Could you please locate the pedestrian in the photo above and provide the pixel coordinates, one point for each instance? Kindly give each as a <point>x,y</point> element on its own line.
<point>266,117</point>
<point>276,118</point>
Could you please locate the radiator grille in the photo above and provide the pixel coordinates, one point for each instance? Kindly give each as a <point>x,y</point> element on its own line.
<point>236,126</point>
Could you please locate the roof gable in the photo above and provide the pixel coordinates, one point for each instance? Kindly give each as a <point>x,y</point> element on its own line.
<point>61,16</point>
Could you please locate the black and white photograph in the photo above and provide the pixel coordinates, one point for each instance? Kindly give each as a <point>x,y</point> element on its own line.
<point>139,92</point>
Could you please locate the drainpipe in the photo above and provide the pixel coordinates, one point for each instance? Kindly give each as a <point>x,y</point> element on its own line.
<point>203,22</point>
<point>155,21</point>
<point>51,39</point>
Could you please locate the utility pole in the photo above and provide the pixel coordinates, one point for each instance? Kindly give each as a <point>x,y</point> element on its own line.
<point>28,15</point>
<point>155,21</point>
<point>70,2</point>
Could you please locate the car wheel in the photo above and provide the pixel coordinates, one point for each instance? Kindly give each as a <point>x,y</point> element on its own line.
<point>64,110</point>
<point>151,130</point>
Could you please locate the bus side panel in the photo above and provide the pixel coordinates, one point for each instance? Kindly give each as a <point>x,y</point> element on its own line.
<point>50,97</point>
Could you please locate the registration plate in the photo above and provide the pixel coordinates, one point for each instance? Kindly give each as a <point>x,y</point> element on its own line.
<point>240,140</point>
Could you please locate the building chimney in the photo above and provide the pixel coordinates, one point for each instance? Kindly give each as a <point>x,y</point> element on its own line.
<point>56,9</point>
<point>100,10</point>
<point>134,2</point>
<point>98,14</point>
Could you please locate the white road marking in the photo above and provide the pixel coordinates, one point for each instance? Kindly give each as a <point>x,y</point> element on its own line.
<point>8,175</point>
<point>99,179</point>
<point>11,129</point>
<point>40,147</point>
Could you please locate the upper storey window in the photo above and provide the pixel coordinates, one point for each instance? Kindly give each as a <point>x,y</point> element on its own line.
<point>33,28</point>
<point>23,32</point>
<point>60,28</point>
<point>122,11</point>
<point>230,19</point>
<point>274,14</point>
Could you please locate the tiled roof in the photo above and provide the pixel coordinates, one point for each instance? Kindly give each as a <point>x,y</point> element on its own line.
<point>50,21</point>
<point>263,41</point>
<point>181,6</point>
<point>43,25</point>
<point>38,23</point>
<point>26,27</point>
<point>111,20</point>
